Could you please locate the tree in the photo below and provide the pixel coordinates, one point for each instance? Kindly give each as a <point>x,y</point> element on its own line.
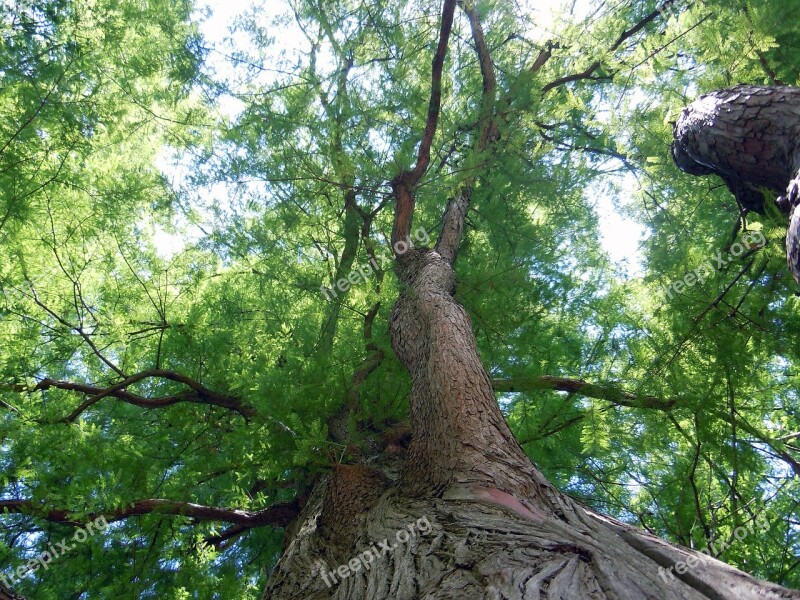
<point>222,385</point>
<point>746,136</point>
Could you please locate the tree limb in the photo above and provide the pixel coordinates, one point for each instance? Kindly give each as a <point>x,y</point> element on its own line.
<point>625,35</point>
<point>404,183</point>
<point>276,515</point>
<point>456,211</point>
<point>9,594</point>
<point>197,393</point>
<point>584,388</point>
<point>631,400</point>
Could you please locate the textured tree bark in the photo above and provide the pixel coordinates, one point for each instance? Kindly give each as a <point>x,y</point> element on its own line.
<point>497,528</point>
<point>8,594</point>
<point>494,526</point>
<point>748,135</point>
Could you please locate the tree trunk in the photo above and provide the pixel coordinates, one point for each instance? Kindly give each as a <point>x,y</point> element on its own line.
<point>465,514</point>
<point>9,594</point>
<point>748,135</point>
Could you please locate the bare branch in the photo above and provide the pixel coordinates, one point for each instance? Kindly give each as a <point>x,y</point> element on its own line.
<point>197,393</point>
<point>277,515</point>
<point>404,183</point>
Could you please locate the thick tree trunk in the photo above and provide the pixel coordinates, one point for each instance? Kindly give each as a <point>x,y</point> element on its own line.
<point>750,137</point>
<point>465,514</point>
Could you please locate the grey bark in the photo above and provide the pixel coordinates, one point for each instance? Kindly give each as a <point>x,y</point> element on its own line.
<point>750,137</point>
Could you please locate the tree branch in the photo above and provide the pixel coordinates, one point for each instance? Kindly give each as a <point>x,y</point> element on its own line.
<point>456,211</point>
<point>277,515</point>
<point>631,400</point>
<point>197,394</point>
<point>434,105</point>
<point>9,594</point>
<point>76,328</point>
<point>584,388</point>
<point>625,35</point>
<point>404,183</point>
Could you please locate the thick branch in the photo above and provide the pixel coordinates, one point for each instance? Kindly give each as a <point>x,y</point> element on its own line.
<point>748,136</point>
<point>403,185</point>
<point>453,225</point>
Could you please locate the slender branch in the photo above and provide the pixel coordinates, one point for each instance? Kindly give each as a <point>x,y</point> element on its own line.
<point>434,105</point>
<point>722,294</point>
<point>277,515</point>
<point>625,35</point>
<point>584,388</point>
<point>197,393</point>
<point>227,535</point>
<point>77,329</point>
<point>456,211</point>
<point>338,423</point>
<point>631,400</point>
<point>38,109</point>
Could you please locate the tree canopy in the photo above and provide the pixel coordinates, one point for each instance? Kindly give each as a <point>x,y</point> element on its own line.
<point>195,273</point>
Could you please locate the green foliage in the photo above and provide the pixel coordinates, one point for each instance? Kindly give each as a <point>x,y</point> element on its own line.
<point>114,136</point>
